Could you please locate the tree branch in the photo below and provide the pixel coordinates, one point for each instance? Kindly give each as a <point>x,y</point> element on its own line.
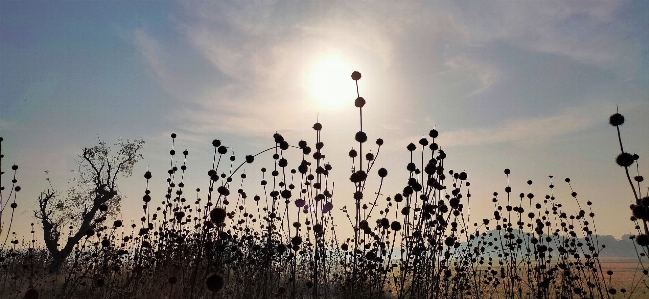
<point>50,233</point>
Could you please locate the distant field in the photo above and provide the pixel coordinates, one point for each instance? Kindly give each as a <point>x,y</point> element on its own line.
<point>627,273</point>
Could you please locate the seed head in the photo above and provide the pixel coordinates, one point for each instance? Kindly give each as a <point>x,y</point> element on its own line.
<point>642,240</point>
<point>360,136</point>
<point>359,102</point>
<point>31,293</point>
<point>218,215</point>
<point>214,282</point>
<point>616,120</point>
<point>624,159</point>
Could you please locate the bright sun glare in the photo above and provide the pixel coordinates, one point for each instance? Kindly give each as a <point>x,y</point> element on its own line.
<point>330,82</point>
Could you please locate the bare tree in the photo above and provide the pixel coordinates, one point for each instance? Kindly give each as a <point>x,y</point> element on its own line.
<point>94,197</point>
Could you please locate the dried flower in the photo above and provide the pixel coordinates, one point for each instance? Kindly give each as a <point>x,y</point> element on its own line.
<point>356,76</point>
<point>616,120</point>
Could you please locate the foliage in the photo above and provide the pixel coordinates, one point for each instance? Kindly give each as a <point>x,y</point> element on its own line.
<point>91,202</point>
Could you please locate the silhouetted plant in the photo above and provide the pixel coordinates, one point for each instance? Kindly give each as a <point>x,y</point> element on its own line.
<point>640,211</point>
<point>640,205</point>
<point>96,194</point>
<point>278,238</point>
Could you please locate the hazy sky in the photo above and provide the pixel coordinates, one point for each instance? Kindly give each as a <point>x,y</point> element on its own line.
<point>525,85</point>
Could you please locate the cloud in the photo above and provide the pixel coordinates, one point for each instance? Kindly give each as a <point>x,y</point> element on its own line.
<point>583,31</point>
<point>7,124</point>
<point>151,51</point>
<point>255,58</point>
<point>540,129</point>
<point>264,61</point>
<point>481,75</point>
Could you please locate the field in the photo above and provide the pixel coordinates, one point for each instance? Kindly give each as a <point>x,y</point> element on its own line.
<point>627,274</point>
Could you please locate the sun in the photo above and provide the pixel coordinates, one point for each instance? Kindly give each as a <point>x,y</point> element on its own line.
<point>330,84</point>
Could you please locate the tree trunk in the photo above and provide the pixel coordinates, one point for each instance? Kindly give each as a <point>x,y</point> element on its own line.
<point>59,256</point>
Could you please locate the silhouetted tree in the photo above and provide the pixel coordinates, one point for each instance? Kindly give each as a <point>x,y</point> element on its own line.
<point>88,204</point>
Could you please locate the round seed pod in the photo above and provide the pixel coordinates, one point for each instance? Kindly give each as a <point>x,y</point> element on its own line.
<point>214,282</point>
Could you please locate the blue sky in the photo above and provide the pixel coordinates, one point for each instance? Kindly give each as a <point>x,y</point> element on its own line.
<point>525,85</point>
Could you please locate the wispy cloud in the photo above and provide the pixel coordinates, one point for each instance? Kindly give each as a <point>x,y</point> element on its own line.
<point>6,124</point>
<point>542,129</point>
<point>152,52</point>
<point>481,76</point>
<point>582,31</point>
<point>265,64</point>
<point>263,55</point>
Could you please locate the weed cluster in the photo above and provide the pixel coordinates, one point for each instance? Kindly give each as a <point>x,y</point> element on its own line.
<point>279,240</point>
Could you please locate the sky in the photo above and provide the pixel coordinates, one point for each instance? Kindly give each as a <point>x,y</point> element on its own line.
<point>524,85</point>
